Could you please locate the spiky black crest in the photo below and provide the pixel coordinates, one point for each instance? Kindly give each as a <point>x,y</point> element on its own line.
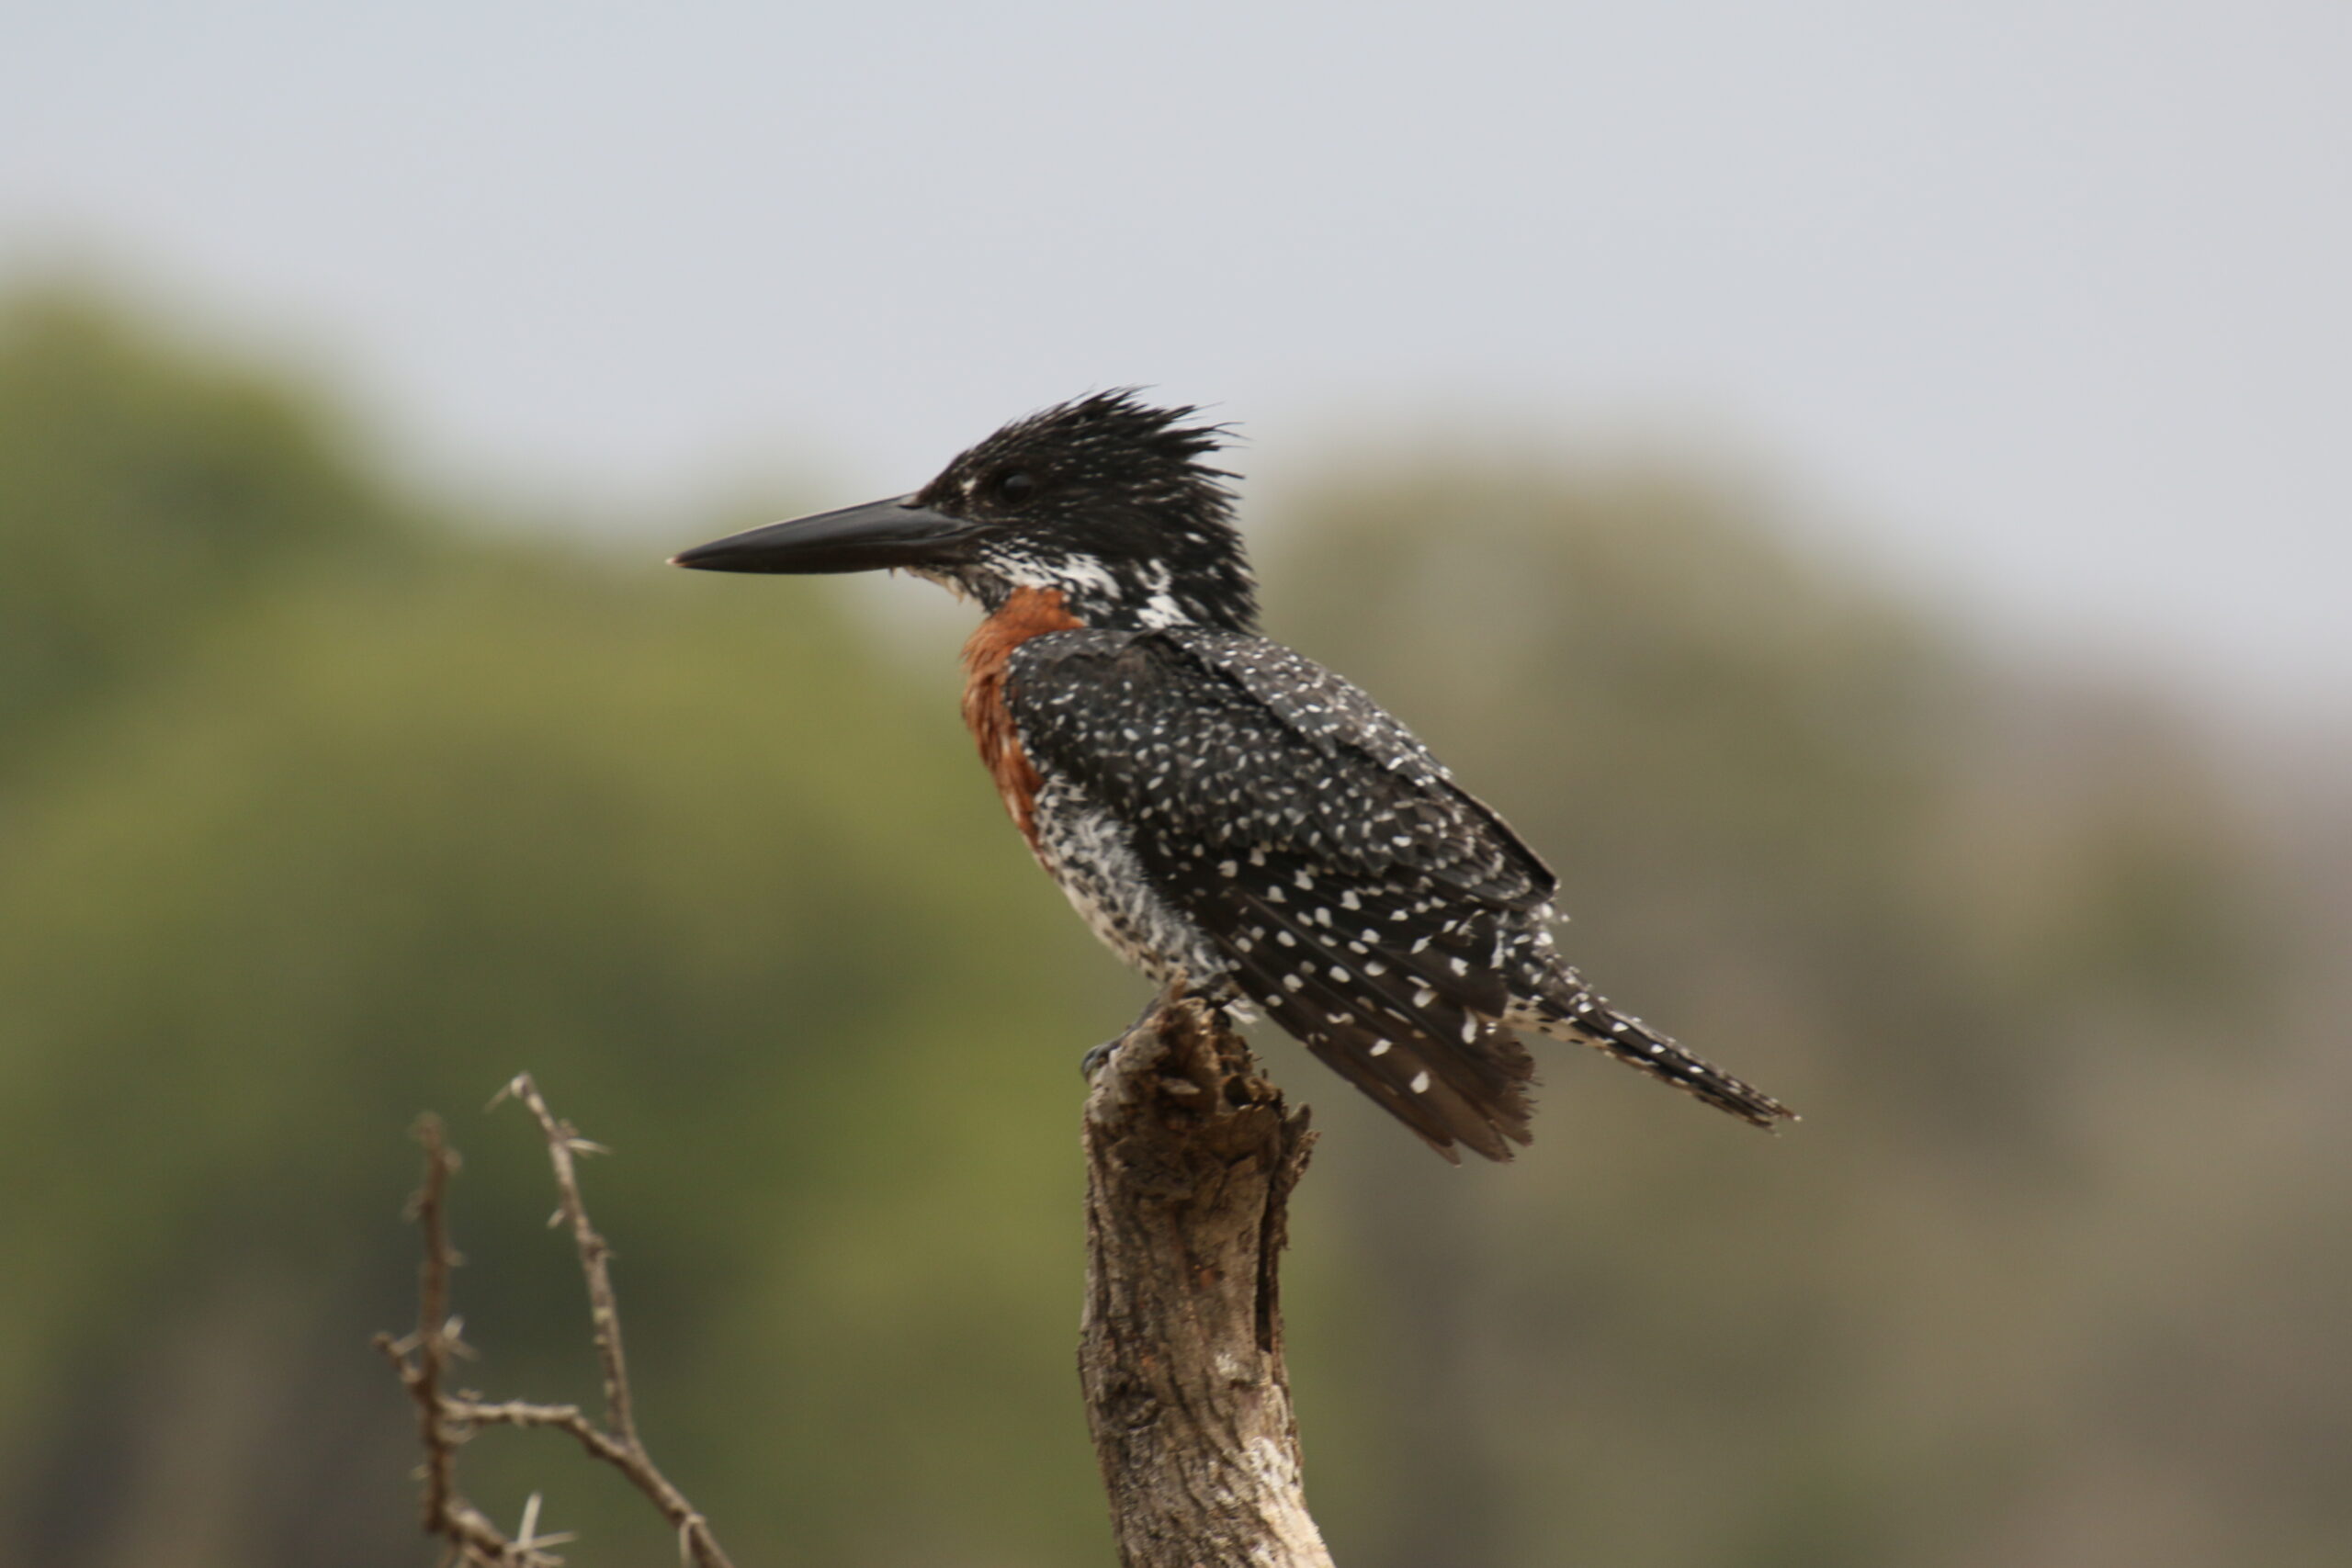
<point>1109,500</point>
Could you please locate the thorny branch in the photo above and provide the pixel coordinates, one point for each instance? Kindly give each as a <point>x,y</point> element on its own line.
<point>445,1420</point>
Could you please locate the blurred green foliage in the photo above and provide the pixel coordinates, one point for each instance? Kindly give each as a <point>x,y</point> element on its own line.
<point>321,804</point>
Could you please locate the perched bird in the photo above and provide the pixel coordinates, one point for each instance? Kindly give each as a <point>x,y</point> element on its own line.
<point>1218,807</point>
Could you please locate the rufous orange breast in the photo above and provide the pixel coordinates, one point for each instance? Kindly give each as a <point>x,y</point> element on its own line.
<point>1028,613</point>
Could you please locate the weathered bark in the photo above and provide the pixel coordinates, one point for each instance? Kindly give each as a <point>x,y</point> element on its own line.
<point>1190,1161</point>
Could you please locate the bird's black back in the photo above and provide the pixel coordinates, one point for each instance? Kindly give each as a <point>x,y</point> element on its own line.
<point>1372,908</point>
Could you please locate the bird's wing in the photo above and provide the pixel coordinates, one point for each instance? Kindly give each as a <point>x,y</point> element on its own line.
<point>1330,714</point>
<point>1363,901</point>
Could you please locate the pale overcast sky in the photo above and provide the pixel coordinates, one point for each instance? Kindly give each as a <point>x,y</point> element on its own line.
<point>2051,301</point>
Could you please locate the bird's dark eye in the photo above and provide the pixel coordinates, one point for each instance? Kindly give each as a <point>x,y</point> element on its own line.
<point>1012,487</point>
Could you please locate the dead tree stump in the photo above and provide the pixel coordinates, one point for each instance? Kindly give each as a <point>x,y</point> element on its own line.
<point>1191,1157</point>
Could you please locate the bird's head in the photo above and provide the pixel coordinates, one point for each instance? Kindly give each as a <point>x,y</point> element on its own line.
<point>1106,499</point>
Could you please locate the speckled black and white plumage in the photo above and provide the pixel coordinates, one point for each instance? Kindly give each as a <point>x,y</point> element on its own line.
<point>1222,810</point>
<point>1259,825</point>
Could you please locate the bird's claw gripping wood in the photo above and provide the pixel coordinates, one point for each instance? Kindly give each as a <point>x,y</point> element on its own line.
<point>1215,805</point>
<point>1096,1056</point>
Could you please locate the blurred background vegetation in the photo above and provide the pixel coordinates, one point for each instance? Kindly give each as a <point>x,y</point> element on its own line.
<point>323,802</point>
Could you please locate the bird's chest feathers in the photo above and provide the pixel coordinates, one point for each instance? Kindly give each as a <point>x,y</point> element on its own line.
<point>1030,612</point>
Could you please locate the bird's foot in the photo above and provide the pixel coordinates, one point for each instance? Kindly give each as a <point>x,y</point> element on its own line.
<point>1092,1063</point>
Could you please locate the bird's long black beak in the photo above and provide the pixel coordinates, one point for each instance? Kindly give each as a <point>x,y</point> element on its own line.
<point>895,532</point>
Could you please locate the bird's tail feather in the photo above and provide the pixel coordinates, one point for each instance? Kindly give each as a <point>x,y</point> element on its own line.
<point>1568,1009</point>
